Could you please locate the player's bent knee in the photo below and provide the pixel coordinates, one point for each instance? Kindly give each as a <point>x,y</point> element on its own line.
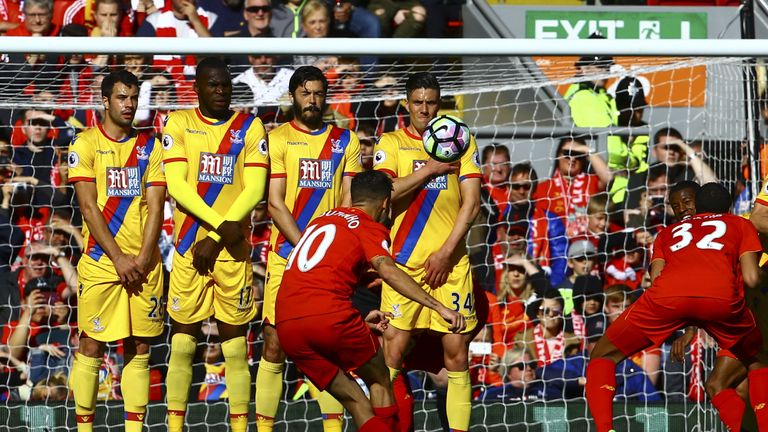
<point>91,347</point>
<point>712,387</point>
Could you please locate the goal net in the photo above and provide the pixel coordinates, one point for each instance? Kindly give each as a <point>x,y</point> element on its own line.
<point>525,105</point>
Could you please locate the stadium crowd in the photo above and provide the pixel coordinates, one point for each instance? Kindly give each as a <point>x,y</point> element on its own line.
<point>559,254</point>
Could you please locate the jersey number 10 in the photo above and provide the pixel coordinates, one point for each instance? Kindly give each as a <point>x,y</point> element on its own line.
<point>305,244</point>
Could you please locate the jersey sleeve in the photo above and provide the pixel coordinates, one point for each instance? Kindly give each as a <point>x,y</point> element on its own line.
<point>155,175</point>
<point>81,157</point>
<point>276,151</point>
<point>374,240</point>
<point>470,162</point>
<point>385,155</point>
<point>750,241</point>
<point>256,145</point>
<point>658,248</point>
<point>352,163</point>
<point>173,138</point>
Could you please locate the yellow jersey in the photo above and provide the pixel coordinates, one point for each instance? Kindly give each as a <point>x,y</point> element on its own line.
<point>216,153</point>
<point>313,164</point>
<point>425,219</point>
<point>122,170</point>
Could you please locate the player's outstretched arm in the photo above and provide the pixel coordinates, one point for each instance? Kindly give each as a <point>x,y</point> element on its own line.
<point>404,186</point>
<point>126,266</point>
<point>750,269</point>
<point>281,216</point>
<point>155,203</point>
<point>406,286</point>
<point>438,265</point>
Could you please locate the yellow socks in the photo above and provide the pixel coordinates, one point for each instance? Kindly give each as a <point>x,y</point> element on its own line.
<point>179,379</point>
<point>269,389</point>
<point>238,382</point>
<point>333,412</point>
<point>135,387</point>
<point>458,403</point>
<point>84,382</point>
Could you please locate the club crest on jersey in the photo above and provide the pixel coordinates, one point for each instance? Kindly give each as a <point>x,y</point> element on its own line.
<point>315,173</point>
<point>437,183</point>
<point>396,312</point>
<point>175,306</point>
<point>216,168</point>
<point>336,146</point>
<point>235,138</point>
<point>141,153</point>
<point>123,182</point>
<point>97,327</point>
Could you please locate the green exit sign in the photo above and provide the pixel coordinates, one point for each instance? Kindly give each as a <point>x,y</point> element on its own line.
<point>552,24</point>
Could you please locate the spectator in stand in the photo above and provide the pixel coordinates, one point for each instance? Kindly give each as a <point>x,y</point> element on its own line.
<point>628,155</point>
<point>261,229</point>
<point>256,17</point>
<point>548,341</point>
<point>179,18</point>
<point>482,244</point>
<point>345,80</point>
<point>157,91</point>
<point>316,23</point>
<point>38,20</point>
<point>520,379</point>
<point>547,243</point>
<point>390,113</point>
<point>650,211</point>
<point>37,157</point>
<point>101,17</point>
<point>267,80</point>
<point>485,355</point>
<point>521,283</point>
<point>399,18</point>
<point>681,160</point>
<point>12,235</point>
<point>229,15</point>
<point>567,193</point>
<point>213,387</point>
<point>353,17</point>
<point>62,234</point>
<point>11,15</point>
<point>581,262</point>
<point>496,174</point>
<point>42,310</point>
<point>587,320</point>
<point>51,389</point>
<point>286,18</point>
<point>591,105</point>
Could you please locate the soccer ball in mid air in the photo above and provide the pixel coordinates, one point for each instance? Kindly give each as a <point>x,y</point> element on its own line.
<point>446,138</point>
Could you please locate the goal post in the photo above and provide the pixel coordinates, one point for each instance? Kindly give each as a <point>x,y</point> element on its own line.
<point>511,93</point>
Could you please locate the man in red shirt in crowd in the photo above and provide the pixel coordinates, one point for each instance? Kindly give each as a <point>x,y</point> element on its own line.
<point>319,328</point>
<point>695,282</point>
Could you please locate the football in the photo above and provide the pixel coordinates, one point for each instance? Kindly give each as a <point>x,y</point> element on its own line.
<point>446,138</point>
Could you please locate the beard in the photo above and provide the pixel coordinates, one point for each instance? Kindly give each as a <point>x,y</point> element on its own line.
<point>385,219</point>
<point>311,115</point>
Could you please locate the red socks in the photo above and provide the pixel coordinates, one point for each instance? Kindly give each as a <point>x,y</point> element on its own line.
<point>758,396</point>
<point>389,416</point>
<point>731,407</point>
<point>404,401</point>
<point>375,424</point>
<point>600,388</point>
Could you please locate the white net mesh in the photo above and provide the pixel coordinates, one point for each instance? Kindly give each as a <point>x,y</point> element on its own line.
<point>520,104</point>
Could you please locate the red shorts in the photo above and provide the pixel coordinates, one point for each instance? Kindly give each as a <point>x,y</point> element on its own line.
<point>651,319</point>
<point>320,345</point>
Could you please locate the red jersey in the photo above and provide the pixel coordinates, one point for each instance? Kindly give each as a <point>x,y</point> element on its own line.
<point>327,263</point>
<point>701,256</point>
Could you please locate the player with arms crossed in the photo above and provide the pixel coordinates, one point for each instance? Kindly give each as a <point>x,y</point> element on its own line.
<point>120,187</point>
<point>433,208</point>
<point>319,328</point>
<point>712,245</point>
<point>312,165</point>
<point>216,165</point>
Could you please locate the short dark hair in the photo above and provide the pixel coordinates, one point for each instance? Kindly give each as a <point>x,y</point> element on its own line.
<point>121,76</point>
<point>420,80</point>
<point>525,168</point>
<point>304,74</point>
<point>494,148</point>
<point>684,185</point>
<point>713,198</point>
<point>667,131</point>
<point>210,63</point>
<point>370,186</point>
<point>656,171</point>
